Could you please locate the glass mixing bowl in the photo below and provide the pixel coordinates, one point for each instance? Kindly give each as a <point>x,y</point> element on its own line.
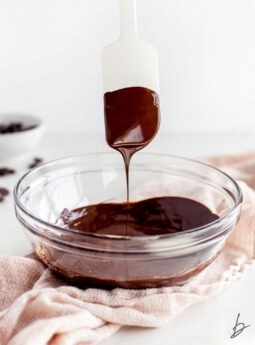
<point>108,261</point>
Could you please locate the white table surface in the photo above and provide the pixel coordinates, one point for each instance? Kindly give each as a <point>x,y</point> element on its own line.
<point>210,322</point>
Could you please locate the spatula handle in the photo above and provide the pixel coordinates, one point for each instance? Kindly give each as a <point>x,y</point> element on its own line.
<point>129,61</point>
<point>128,17</point>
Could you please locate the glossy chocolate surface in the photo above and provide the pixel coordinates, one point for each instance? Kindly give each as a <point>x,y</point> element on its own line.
<point>132,118</point>
<point>154,216</point>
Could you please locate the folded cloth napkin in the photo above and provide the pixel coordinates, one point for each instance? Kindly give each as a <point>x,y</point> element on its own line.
<point>38,308</point>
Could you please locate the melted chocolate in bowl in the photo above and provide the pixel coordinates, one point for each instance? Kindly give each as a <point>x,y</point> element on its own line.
<point>149,217</point>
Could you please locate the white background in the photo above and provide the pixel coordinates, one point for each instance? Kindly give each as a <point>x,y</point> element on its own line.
<point>50,60</point>
<point>50,66</point>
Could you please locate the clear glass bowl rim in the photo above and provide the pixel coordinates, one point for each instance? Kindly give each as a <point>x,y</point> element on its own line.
<point>199,230</point>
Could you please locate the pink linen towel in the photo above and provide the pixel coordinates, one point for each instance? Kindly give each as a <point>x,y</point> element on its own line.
<point>37,308</point>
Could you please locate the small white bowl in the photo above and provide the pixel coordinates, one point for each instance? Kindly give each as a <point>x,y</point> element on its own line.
<point>21,142</point>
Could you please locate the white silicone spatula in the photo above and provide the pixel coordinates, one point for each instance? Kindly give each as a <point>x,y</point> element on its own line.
<point>129,61</point>
<point>131,87</point>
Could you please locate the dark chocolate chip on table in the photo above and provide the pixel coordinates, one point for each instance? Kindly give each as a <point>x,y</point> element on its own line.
<point>13,127</point>
<point>36,162</point>
<point>3,193</point>
<point>6,171</point>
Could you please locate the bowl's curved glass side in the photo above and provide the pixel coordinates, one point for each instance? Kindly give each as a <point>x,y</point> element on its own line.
<point>89,261</point>
<point>129,270</point>
<point>187,178</point>
<point>109,261</point>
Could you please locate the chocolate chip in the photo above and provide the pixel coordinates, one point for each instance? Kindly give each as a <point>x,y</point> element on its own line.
<point>6,171</point>
<point>3,193</point>
<point>36,162</point>
<point>13,127</point>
